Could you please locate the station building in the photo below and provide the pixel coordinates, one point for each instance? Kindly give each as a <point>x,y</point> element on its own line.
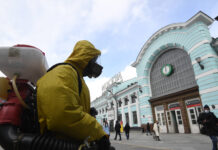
<point>177,74</point>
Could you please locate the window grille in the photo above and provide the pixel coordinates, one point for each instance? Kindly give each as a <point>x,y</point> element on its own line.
<point>182,77</point>
<point>126,101</point>
<point>133,97</point>
<point>135,120</point>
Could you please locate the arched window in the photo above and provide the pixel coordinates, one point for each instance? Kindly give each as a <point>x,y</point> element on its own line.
<point>172,72</point>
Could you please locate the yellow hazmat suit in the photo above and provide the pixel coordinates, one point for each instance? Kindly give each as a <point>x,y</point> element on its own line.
<point>60,107</point>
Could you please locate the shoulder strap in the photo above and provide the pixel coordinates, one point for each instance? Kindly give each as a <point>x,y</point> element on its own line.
<point>78,77</point>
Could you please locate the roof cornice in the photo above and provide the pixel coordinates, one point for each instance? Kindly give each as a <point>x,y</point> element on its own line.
<point>200,16</point>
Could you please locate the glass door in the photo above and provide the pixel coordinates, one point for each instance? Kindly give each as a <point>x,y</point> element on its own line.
<point>160,116</point>
<point>179,120</point>
<point>169,122</point>
<point>198,110</point>
<point>193,114</point>
<point>162,121</point>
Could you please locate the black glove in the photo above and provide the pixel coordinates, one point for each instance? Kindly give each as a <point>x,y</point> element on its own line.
<point>93,111</point>
<point>104,143</point>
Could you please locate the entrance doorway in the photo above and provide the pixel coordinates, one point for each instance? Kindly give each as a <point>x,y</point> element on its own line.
<point>174,121</point>
<point>159,112</point>
<point>193,114</point>
<point>174,114</point>
<point>170,122</point>
<point>111,125</point>
<point>162,121</point>
<point>119,117</point>
<point>177,124</point>
<point>193,110</point>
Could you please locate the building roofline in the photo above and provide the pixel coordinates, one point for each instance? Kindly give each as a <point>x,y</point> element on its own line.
<point>200,16</point>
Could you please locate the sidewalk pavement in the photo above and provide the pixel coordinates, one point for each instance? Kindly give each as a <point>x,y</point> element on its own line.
<point>168,141</point>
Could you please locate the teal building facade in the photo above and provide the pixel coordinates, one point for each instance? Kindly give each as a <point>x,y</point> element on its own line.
<point>177,74</point>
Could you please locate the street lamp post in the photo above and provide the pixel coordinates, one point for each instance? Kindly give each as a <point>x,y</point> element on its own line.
<point>115,98</point>
<point>115,112</point>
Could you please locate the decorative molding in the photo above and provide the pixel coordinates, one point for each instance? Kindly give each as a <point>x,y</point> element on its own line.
<point>133,104</point>
<point>142,77</point>
<point>197,45</point>
<point>141,107</point>
<point>209,90</point>
<point>206,73</point>
<point>200,16</point>
<point>205,57</point>
<point>145,85</point>
<point>145,106</point>
<point>127,89</point>
<point>145,95</point>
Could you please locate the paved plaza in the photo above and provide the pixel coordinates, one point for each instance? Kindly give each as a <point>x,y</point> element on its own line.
<point>140,141</point>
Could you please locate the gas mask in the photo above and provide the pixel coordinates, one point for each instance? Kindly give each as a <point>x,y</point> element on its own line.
<point>93,69</point>
<point>207,111</point>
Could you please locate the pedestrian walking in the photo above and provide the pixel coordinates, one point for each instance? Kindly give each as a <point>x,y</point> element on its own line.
<point>106,128</point>
<point>143,128</point>
<point>148,129</point>
<point>127,129</point>
<point>117,129</point>
<point>156,129</point>
<point>209,122</point>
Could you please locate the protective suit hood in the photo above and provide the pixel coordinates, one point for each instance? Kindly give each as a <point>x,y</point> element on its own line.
<point>82,53</point>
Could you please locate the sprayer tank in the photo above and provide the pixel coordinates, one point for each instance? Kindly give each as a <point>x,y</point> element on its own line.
<point>26,61</point>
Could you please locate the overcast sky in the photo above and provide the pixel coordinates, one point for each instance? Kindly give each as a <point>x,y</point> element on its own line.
<point>119,28</point>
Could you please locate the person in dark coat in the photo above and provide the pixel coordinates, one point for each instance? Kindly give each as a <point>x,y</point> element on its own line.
<point>117,129</point>
<point>209,122</point>
<point>126,129</point>
<point>148,129</point>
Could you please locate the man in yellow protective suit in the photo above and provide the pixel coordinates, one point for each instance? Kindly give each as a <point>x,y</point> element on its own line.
<point>62,109</point>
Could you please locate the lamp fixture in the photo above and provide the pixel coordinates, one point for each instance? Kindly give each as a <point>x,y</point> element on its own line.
<point>140,89</point>
<point>134,96</point>
<point>198,60</point>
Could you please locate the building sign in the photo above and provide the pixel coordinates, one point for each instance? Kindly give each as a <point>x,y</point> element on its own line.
<point>115,79</point>
<point>173,106</point>
<point>193,103</point>
<point>111,114</point>
<point>159,108</point>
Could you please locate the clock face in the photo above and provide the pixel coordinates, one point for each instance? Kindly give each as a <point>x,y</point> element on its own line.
<point>167,70</point>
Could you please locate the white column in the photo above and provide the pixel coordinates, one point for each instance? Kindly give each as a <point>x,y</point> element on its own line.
<point>138,112</point>
<point>122,111</point>
<point>115,110</point>
<point>130,113</point>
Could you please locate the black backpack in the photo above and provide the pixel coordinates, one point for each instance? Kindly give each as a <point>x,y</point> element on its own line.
<point>29,117</point>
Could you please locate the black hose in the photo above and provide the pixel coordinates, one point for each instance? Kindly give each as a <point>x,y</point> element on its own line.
<point>11,139</point>
<point>8,135</point>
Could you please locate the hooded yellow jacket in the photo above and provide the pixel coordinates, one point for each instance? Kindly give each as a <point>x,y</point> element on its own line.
<point>60,107</point>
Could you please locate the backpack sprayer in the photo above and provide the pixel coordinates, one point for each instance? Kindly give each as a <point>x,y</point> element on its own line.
<point>23,65</point>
